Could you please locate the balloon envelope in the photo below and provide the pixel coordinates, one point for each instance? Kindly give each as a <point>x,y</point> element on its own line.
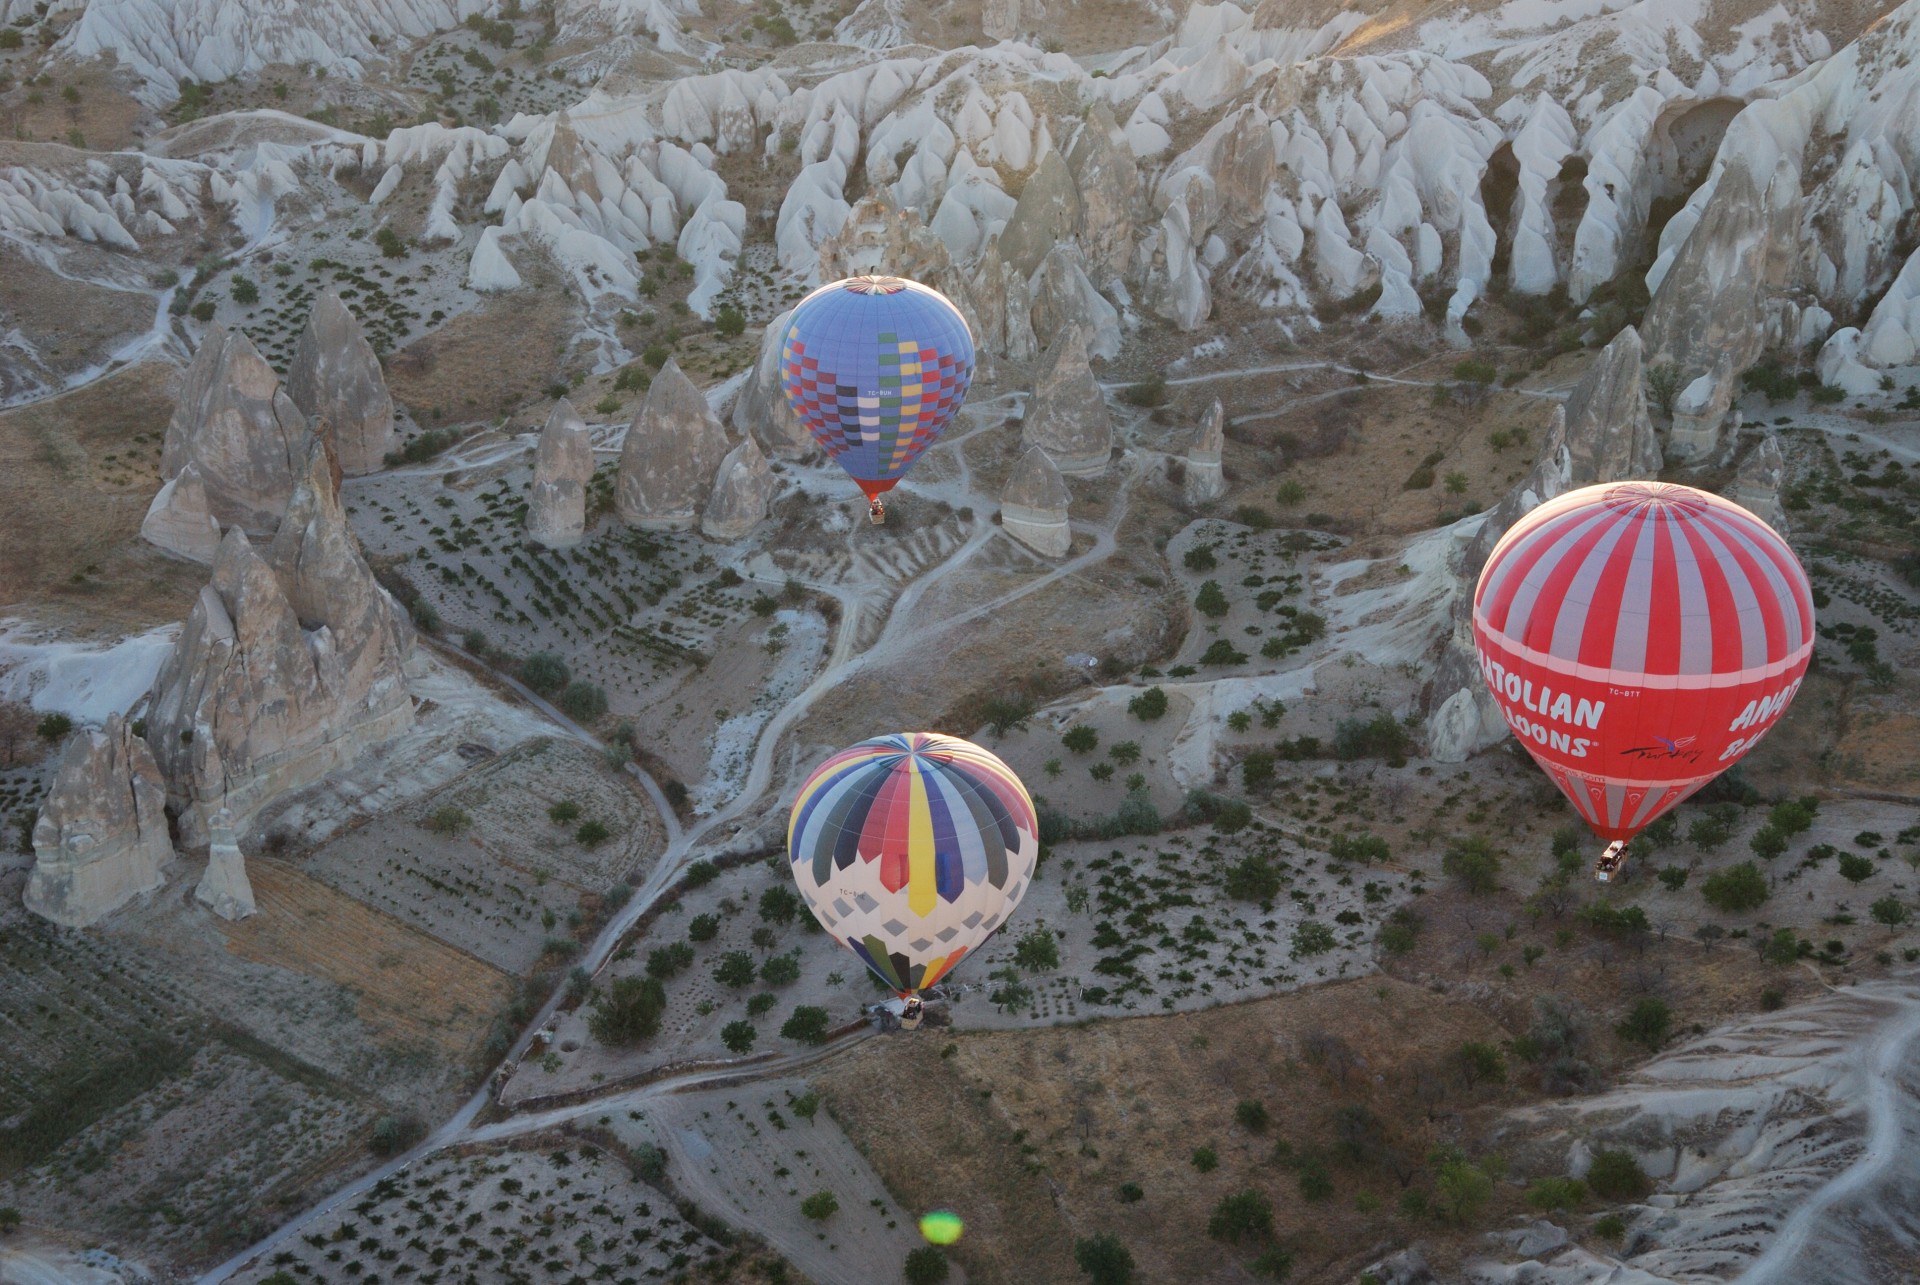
<point>1640,638</point>
<point>876,368</point>
<point>911,850</point>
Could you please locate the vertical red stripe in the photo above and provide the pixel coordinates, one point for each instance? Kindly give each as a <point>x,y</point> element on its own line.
<point>1603,613</point>
<point>1553,592</point>
<point>887,826</point>
<point>1772,610</point>
<point>1663,603</point>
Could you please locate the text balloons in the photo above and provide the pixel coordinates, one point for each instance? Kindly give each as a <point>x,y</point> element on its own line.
<point>1640,638</point>
<point>911,850</point>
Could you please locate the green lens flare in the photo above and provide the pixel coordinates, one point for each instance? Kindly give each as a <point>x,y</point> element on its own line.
<point>941,1227</point>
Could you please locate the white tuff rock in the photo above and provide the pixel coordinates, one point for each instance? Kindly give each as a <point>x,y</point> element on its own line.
<point>673,449</point>
<point>179,522</point>
<point>235,422</point>
<point>562,467</point>
<point>762,411</point>
<point>741,492</point>
<point>1067,414</point>
<point>101,838</point>
<point>224,888</point>
<point>1205,478</point>
<point>334,376</point>
<point>1033,508</point>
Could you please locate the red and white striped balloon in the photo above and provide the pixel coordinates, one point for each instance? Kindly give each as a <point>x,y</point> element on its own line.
<point>1640,638</point>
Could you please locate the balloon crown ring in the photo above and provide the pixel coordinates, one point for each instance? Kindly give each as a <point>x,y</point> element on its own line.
<point>875,285</point>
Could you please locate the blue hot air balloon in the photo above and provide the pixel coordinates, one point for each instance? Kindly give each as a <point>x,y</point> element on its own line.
<point>876,368</point>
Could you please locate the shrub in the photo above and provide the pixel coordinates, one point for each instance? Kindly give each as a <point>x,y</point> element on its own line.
<point>1316,1183</point>
<point>1616,1175</point>
<point>1367,848</point>
<point>545,672</point>
<point>449,820</point>
<point>779,904</point>
<point>565,812</point>
<point>1382,737</point>
<point>244,290</point>
<point>54,727</point>
<point>1401,932</point>
<point>1004,713</point>
<point>10,38</point>
<point>1222,652</point>
<point>926,1266</point>
<point>1148,705</point>
<point>762,1003</point>
<point>629,1011</point>
<point>1147,393</point>
<point>1130,1193</point>
<point>202,311</point>
<point>9,1216</point>
<point>1273,1262</point>
<point>1038,951</point>
<point>1735,889</point>
<point>808,1025</point>
<point>781,970</point>
<point>667,961</point>
<point>1200,558</point>
<point>1889,911</point>
<point>1780,949</point>
<point>1794,816</point>
<point>1104,1259</point>
<point>592,834</point>
<point>1311,938</point>
<point>1767,842</point>
<point>730,321</point>
<point>1550,1194</point>
<point>703,928</point>
<point>1205,1159</point>
<point>820,1206</point>
<point>1211,600</point>
<point>1242,1214</point>
<point>1854,868</point>
<point>701,873</point>
<point>1253,878</point>
<point>1649,1023</point>
<point>735,969</point>
<point>1252,1116</point>
<point>1462,1188</point>
<point>1081,739</point>
<point>1611,1227</point>
<point>1473,864</point>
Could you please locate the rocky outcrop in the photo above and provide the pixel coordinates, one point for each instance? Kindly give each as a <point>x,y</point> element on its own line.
<point>1601,434</point>
<point>1112,203</point>
<point>288,666</point>
<point>762,411</point>
<point>1033,508</point>
<point>1709,317</point>
<point>238,426</point>
<point>1205,479</point>
<point>179,521</point>
<point>1756,486</point>
<point>224,888</point>
<point>562,467</point>
<point>1063,297</point>
<point>101,838</point>
<point>1004,308</point>
<point>673,449</point>
<point>1067,413</point>
<point>334,376</point>
<point>741,492</point>
<point>1048,211</point>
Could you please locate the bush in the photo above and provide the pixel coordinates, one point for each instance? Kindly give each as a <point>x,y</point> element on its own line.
<point>1205,1159</point>
<point>1401,932</point>
<point>629,1012</point>
<point>1004,713</point>
<point>1381,737</point>
<point>583,702</point>
<point>1147,393</point>
<point>1211,600</point>
<point>1222,652</point>
<point>1148,705</point>
<point>1889,911</point>
<point>1200,558</point>
<point>545,672</point>
<point>701,873</point>
<point>1252,1116</point>
<point>1611,1227</point>
<point>592,834</point>
<point>244,290</point>
<point>202,311</point>
<point>1242,1214</point>
<point>781,970</point>
<point>1854,868</point>
<point>1473,864</point>
<point>730,321</point>
<point>449,820</point>
<point>762,1003</point>
<point>1767,842</point>
<point>54,727</point>
<point>1462,1188</point>
<point>1781,949</point>
<point>1081,739</point>
<point>1311,938</point>
<point>735,969</point>
<point>1038,951</point>
<point>1649,1023</point>
<point>1550,1194</point>
<point>820,1206</point>
<point>565,812</point>
<point>1315,1182</point>
<point>1253,878</point>
<point>1616,1175</point>
<point>1365,848</point>
<point>926,1266</point>
<point>1273,1262</point>
<point>668,961</point>
<point>649,1163</point>
<point>779,904</point>
<point>703,928</point>
<point>10,38</point>
<point>1104,1259</point>
<point>1795,816</point>
<point>808,1025</point>
<point>1735,889</point>
<point>9,1216</point>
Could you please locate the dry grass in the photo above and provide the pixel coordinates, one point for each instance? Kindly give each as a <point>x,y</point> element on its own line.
<point>413,991</point>
<point>487,362</point>
<point>73,517</point>
<point>105,116</point>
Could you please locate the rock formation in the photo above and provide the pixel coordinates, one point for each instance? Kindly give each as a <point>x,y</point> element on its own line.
<point>1756,486</point>
<point>101,838</point>
<point>761,410</point>
<point>1063,296</point>
<point>179,520</point>
<point>1049,210</point>
<point>335,376</point>
<point>239,427</point>
<point>1111,200</point>
<point>1205,479</point>
<point>742,490</point>
<point>673,449</point>
<point>1003,308</point>
<point>1708,318</point>
<point>287,667</point>
<point>224,888</point>
<point>562,467</point>
<point>1602,434</point>
<point>1067,414</point>
<point>1033,508</point>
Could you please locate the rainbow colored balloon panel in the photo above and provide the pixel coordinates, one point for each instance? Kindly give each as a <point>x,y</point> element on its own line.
<point>876,368</point>
<point>912,850</point>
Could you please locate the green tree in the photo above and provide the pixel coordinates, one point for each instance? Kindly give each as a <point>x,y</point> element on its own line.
<point>1616,1175</point>
<point>592,834</point>
<point>1735,889</point>
<point>1550,1194</point>
<point>545,672</point>
<point>628,1012</point>
<point>738,1035</point>
<point>1477,1062</point>
<point>735,969</point>
<point>1473,864</point>
<point>1710,831</point>
<point>1038,951</point>
<point>779,904</point>
<point>1462,1189</point>
<point>820,1206</point>
<point>54,727</point>
<point>1148,705</point>
<point>1104,1259</point>
<point>808,1025</point>
<point>9,1220</point>
<point>1316,1182</point>
<point>703,928</point>
<point>1780,949</point>
<point>806,1106</point>
<point>1247,1214</point>
<point>1767,842</point>
<point>1889,911</point>
<point>1793,816</point>
<point>729,321</point>
<point>1252,1116</point>
<point>1211,600</point>
<point>1854,868</point>
<point>1649,1023</point>
<point>669,961</point>
<point>781,970</point>
<point>1252,878</point>
<point>926,1265</point>
<point>565,812</point>
<point>583,702</point>
<point>1311,938</point>
<point>1205,1159</point>
<point>1081,739</point>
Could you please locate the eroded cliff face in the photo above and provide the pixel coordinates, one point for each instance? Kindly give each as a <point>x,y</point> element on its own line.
<point>335,377</point>
<point>101,837</point>
<point>562,467</point>
<point>240,430</point>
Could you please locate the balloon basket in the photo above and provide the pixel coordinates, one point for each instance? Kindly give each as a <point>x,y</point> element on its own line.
<point>877,513</point>
<point>1612,863</point>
